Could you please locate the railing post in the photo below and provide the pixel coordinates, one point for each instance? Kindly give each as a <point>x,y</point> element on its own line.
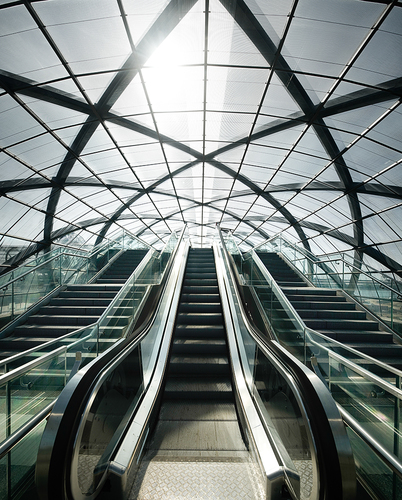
<point>65,366</point>
<point>12,299</point>
<point>97,340</point>
<point>397,416</point>
<point>271,303</point>
<point>8,433</point>
<point>343,274</point>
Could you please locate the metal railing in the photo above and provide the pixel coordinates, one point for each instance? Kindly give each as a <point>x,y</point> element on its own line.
<point>23,287</point>
<point>377,292</point>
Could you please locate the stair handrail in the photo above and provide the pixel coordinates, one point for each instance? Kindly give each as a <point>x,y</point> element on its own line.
<point>171,236</point>
<point>279,292</point>
<point>23,354</point>
<point>92,326</point>
<point>8,444</point>
<point>390,459</point>
<point>84,254</point>
<point>232,239</point>
<point>135,274</point>
<point>65,275</point>
<point>321,261</point>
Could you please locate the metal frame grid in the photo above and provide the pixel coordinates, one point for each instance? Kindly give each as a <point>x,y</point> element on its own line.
<point>284,118</point>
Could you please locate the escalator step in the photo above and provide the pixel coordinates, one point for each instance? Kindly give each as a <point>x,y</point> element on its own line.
<point>193,365</point>
<point>200,307</point>
<point>200,297</point>
<point>200,290</point>
<point>199,318</point>
<point>198,388</point>
<point>199,331</point>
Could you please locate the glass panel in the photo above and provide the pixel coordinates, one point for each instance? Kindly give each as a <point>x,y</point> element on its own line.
<point>373,472</point>
<point>281,410</point>
<point>29,392</point>
<point>110,408</point>
<point>17,468</point>
<point>373,404</point>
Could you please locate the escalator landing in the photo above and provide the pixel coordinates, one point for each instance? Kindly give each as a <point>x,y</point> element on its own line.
<point>198,477</point>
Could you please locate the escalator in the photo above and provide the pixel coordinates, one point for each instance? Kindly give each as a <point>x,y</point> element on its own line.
<point>189,424</point>
<point>197,443</point>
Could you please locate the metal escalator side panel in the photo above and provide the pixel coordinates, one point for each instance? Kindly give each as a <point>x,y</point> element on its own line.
<point>58,458</point>
<point>122,469</point>
<point>334,464</point>
<point>272,468</point>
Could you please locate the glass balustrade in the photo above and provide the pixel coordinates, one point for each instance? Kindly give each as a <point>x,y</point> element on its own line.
<point>375,290</point>
<point>376,406</point>
<point>18,465</point>
<point>26,285</point>
<point>27,390</point>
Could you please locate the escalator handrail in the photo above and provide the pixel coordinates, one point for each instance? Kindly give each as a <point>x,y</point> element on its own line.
<point>73,399</point>
<point>274,468</point>
<point>323,413</point>
<point>135,436</point>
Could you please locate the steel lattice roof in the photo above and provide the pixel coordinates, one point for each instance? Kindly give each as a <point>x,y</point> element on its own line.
<point>263,116</point>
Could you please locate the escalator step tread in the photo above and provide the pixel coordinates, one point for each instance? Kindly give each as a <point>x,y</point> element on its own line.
<point>197,410</point>
<point>197,342</point>
<point>198,359</point>
<point>205,331</point>
<point>199,384</point>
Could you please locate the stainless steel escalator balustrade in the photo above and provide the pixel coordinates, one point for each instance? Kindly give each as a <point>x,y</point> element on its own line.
<point>28,392</point>
<point>367,390</point>
<point>296,407</point>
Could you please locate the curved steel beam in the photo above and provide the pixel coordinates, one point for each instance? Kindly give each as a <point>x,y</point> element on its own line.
<point>386,91</point>
<point>166,22</point>
<point>382,190</point>
<point>99,220</point>
<point>242,14</point>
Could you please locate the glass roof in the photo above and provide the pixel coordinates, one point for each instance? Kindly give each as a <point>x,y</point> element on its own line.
<point>265,117</point>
